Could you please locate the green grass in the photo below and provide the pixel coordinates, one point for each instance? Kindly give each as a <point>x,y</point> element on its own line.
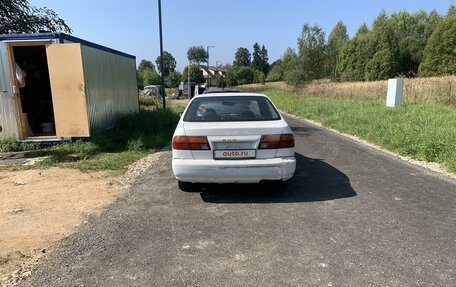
<point>150,103</point>
<point>11,144</point>
<point>114,149</point>
<point>135,137</point>
<point>421,131</point>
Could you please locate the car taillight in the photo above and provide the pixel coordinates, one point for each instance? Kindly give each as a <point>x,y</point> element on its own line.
<point>190,143</point>
<point>277,141</point>
<point>287,141</point>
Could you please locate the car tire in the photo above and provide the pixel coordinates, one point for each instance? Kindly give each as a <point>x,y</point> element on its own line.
<point>185,186</point>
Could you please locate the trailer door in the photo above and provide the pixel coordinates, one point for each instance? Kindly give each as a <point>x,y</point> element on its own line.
<point>68,90</point>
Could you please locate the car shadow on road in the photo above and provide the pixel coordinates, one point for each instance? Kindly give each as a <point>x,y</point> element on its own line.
<point>304,131</point>
<point>314,180</point>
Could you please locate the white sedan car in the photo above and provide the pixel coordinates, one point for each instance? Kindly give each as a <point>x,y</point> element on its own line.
<point>232,138</point>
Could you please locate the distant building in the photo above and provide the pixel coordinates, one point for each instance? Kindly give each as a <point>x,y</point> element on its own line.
<point>210,74</point>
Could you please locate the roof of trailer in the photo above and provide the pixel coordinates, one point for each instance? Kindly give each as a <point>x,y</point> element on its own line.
<point>60,37</point>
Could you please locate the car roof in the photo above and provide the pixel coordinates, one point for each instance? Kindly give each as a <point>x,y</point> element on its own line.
<point>221,90</point>
<point>236,94</point>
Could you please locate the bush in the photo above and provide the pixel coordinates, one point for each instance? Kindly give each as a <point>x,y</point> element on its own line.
<point>294,76</point>
<point>196,75</point>
<point>173,80</point>
<point>380,67</point>
<point>240,76</point>
<point>276,73</point>
<point>148,76</point>
<point>259,77</point>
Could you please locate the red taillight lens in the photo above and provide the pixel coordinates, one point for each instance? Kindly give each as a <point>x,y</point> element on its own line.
<point>276,141</point>
<point>287,141</point>
<point>190,143</point>
<point>269,142</point>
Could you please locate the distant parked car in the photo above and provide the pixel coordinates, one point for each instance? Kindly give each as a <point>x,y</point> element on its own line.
<point>232,138</point>
<point>221,90</point>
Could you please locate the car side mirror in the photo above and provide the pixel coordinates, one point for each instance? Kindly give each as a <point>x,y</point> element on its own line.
<point>181,114</point>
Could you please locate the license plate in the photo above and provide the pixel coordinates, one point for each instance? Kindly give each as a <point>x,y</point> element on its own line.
<point>234,154</point>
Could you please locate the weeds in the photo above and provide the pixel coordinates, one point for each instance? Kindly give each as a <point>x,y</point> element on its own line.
<point>11,144</point>
<point>434,90</point>
<point>150,103</point>
<point>114,149</point>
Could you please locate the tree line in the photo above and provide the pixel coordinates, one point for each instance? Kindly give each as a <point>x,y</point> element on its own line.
<point>148,75</point>
<point>248,67</point>
<point>400,44</point>
<point>19,16</point>
<point>396,45</point>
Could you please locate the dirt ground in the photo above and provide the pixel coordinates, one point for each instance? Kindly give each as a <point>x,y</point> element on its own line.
<point>40,207</point>
<point>182,103</point>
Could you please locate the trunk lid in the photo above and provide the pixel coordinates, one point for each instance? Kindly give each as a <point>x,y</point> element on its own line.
<point>234,140</point>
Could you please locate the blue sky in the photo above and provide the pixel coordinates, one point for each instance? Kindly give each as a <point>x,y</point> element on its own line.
<point>132,26</point>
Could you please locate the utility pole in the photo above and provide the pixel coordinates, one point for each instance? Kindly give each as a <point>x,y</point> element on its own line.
<point>161,56</point>
<point>189,88</point>
<point>208,62</point>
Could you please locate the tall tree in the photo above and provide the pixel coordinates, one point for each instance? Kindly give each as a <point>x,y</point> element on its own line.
<point>196,75</point>
<point>19,16</point>
<point>311,56</point>
<point>145,64</point>
<point>451,11</point>
<point>337,39</point>
<point>197,54</point>
<point>410,30</point>
<point>276,71</point>
<point>257,62</point>
<point>264,60</point>
<point>291,70</point>
<point>362,30</point>
<point>288,56</point>
<point>169,63</point>
<point>148,76</point>
<point>439,55</point>
<point>432,22</point>
<point>385,41</point>
<point>260,58</point>
<point>242,57</point>
<point>354,55</point>
<point>174,79</point>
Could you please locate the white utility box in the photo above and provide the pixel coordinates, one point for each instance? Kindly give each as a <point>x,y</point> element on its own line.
<point>394,95</point>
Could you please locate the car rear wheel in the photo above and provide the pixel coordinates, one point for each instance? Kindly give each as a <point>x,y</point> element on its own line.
<point>185,186</point>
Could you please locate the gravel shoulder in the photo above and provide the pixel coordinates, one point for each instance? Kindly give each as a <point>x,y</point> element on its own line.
<point>39,208</point>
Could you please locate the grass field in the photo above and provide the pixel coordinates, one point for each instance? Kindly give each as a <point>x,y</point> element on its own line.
<point>135,137</point>
<point>433,90</point>
<point>422,131</point>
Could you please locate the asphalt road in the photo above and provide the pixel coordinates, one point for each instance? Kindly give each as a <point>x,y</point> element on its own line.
<point>351,216</point>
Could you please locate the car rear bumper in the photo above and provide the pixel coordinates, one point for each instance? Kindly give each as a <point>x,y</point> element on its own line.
<point>234,171</point>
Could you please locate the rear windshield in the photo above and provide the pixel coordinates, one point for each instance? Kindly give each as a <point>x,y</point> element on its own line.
<point>231,109</point>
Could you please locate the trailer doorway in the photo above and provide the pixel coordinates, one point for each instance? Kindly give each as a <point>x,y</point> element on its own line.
<point>35,95</point>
